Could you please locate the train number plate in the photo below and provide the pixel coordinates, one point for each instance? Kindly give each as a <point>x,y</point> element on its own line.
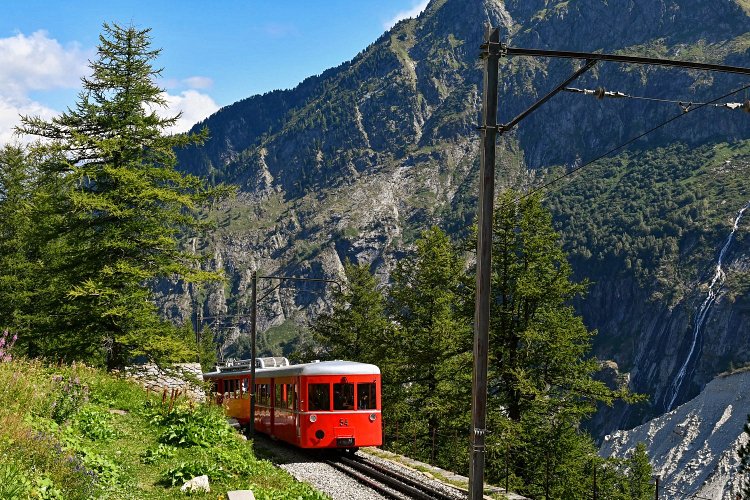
<point>343,422</point>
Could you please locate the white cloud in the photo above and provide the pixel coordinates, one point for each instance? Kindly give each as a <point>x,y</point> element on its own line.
<point>194,106</point>
<point>37,62</point>
<point>406,14</point>
<point>34,63</point>
<point>198,82</point>
<point>9,118</point>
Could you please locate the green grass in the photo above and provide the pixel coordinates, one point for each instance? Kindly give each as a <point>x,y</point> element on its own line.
<point>77,432</point>
<point>232,217</point>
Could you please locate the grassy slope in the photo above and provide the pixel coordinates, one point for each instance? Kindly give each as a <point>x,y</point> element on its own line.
<point>75,432</point>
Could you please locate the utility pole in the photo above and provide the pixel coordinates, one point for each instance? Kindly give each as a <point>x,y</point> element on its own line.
<point>253,326</point>
<point>253,323</point>
<point>491,52</point>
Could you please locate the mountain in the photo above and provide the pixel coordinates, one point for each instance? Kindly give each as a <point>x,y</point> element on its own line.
<point>693,448</point>
<point>352,163</point>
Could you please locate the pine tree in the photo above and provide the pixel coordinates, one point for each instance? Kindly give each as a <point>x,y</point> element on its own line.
<point>639,474</point>
<point>16,222</point>
<point>541,374</point>
<point>123,210</point>
<point>357,328</point>
<point>432,354</point>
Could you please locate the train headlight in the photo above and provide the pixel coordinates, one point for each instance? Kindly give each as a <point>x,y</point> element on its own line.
<point>313,418</point>
<point>372,417</point>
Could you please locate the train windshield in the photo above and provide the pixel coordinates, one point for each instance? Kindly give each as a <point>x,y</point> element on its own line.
<point>366,396</point>
<point>343,396</point>
<point>319,396</point>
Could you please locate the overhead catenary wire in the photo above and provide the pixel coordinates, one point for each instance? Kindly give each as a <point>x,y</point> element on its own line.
<point>685,105</point>
<point>630,141</point>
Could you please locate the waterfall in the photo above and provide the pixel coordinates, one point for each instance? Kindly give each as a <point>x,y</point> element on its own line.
<point>713,289</point>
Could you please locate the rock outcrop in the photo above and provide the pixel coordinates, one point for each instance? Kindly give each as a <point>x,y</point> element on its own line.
<point>693,448</point>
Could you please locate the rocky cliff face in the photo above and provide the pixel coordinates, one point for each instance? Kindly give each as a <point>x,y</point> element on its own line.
<point>693,448</point>
<point>353,162</point>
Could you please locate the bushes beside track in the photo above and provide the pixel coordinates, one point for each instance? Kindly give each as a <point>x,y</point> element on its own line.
<point>75,432</point>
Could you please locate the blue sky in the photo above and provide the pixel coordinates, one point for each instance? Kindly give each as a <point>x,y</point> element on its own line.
<point>213,53</point>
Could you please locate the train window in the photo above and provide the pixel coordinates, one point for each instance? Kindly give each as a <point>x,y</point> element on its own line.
<point>291,397</point>
<point>279,402</point>
<point>366,396</point>
<point>263,394</point>
<point>343,396</point>
<point>319,397</point>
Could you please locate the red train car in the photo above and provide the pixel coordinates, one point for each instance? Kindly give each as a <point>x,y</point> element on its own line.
<point>328,404</point>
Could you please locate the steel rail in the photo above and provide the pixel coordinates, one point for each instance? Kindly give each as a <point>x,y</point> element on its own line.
<point>392,479</point>
<point>366,480</point>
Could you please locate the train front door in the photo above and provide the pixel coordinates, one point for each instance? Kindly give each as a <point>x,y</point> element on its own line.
<point>297,392</point>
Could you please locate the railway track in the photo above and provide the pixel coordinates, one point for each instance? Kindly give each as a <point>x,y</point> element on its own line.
<point>386,481</point>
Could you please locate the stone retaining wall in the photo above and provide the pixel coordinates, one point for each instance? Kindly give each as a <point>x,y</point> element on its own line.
<point>186,377</point>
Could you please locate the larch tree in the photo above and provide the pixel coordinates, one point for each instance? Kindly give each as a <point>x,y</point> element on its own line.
<point>357,328</point>
<point>432,350</point>
<point>17,180</point>
<point>639,474</point>
<point>123,210</point>
<point>541,374</point>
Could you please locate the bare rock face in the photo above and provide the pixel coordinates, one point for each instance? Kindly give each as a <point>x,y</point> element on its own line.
<point>694,447</point>
<point>351,164</point>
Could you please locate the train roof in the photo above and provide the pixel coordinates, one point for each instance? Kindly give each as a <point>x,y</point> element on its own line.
<point>319,368</point>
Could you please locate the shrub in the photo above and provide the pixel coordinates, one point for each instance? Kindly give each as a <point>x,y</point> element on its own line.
<point>107,472</point>
<point>13,482</point>
<point>155,454</point>
<point>46,470</point>
<point>94,423</point>
<point>186,426</point>
<point>71,394</point>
